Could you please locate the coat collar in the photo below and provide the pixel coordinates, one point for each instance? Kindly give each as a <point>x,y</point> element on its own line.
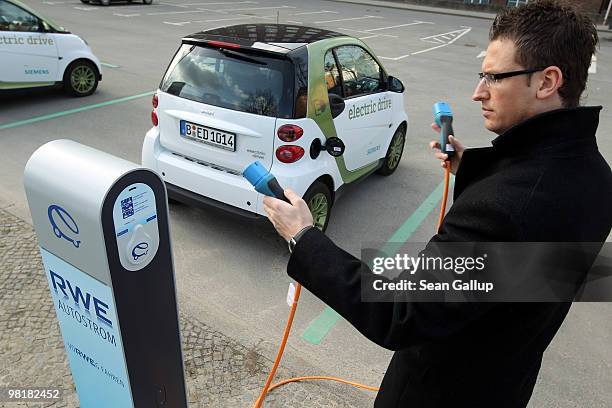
<point>550,128</point>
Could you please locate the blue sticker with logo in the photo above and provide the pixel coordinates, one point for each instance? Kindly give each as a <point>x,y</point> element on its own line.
<point>63,224</point>
<point>141,249</point>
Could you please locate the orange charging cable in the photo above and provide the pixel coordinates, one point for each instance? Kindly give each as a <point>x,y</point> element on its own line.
<point>267,387</point>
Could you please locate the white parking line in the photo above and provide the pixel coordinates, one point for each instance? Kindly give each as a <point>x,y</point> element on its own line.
<point>482,54</point>
<point>259,8</point>
<point>593,67</point>
<point>126,15</point>
<point>86,8</point>
<point>399,25</point>
<point>165,13</point>
<point>346,19</point>
<point>437,38</point>
<point>242,17</point>
<point>315,12</point>
<point>365,32</point>
<point>461,34</point>
<point>295,22</point>
<point>368,36</point>
<point>211,4</point>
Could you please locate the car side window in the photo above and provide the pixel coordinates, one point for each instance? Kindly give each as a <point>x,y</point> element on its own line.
<point>332,75</point>
<point>13,18</point>
<point>361,74</point>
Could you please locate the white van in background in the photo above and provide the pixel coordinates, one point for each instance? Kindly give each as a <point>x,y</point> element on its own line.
<point>35,52</point>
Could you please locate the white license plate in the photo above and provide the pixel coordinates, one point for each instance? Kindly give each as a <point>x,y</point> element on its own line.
<point>207,135</point>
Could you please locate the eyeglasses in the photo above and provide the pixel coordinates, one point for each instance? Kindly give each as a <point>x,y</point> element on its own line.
<point>494,78</point>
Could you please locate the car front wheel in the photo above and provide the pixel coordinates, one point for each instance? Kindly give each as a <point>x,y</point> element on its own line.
<point>81,78</point>
<point>394,152</point>
<point>318,199</point>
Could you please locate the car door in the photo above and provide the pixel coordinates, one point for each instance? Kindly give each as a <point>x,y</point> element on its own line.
<point>28,54</point>
<point>353,73</point>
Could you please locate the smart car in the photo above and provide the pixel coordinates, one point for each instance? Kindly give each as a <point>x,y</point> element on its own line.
<point>35,52</point>
<point>315,107</point>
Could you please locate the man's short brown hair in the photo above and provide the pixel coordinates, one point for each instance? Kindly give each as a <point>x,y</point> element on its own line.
<point>550,33</point>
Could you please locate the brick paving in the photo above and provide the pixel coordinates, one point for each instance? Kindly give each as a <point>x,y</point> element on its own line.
<point>219,371</point>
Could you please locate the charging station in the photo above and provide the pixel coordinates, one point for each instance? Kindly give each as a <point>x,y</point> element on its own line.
<point>102,227</point>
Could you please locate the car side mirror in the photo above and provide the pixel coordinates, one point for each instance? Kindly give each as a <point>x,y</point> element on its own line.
<point>395,85</point>
<point>336,103</point>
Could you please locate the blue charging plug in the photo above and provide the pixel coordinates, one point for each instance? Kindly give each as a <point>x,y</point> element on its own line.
<point>263,181</point>
<point>444,118</point>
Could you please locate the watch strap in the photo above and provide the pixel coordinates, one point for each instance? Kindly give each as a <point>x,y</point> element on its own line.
<point>294,240</point>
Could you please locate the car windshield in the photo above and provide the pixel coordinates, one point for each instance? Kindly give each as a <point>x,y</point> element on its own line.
<point>232,79</point>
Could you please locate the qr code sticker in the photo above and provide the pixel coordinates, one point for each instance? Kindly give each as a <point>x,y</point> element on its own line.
<point>127,207</point>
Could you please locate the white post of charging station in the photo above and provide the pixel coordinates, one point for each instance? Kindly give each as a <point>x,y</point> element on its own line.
<point>102,227</point>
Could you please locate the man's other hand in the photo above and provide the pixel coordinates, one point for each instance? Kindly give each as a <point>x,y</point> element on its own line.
<point>459,148</point>
<point>288,219</point>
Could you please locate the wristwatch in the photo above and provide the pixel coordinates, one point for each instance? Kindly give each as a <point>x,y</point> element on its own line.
<point>293,241</point>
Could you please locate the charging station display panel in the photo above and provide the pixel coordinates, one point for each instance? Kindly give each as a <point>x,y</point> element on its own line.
<point>88,321</point>
<point>135,220</point>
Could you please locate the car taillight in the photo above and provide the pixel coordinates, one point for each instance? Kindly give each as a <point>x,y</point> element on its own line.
<point>154,118</point>
<point>289,154</point>
<point>155,101</point>
<point>289,133</point>
<point>223,44</point>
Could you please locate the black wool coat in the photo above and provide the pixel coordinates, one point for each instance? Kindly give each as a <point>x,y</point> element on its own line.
<point>542,180</point>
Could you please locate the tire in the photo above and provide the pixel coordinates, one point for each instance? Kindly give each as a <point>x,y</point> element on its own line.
<point>105,2</point>
<point>85,1</point>
<point>81,78</point>
<point>394,152</point>
<point>147,1</point>
<point>319,201</point>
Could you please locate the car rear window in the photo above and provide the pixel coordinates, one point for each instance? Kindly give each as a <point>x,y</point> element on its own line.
<point>232,79</point>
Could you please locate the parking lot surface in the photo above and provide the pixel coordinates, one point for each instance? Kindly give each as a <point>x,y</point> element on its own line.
<point>230,272</point>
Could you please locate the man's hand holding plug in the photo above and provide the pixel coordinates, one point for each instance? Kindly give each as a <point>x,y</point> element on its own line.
<point>459,148</point>
<point>288,219</point>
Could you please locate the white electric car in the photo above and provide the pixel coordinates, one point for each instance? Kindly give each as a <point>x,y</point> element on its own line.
<point>35,52</point>
<point>315,107</point>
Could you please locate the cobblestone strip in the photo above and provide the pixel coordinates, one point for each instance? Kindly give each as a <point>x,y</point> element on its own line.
<point>219,371</point>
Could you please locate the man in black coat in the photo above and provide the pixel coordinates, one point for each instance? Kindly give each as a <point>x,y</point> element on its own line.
<point>542,180</point>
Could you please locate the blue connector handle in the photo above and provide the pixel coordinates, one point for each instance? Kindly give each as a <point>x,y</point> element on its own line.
<point>444,118</point>
<point>263,181</point>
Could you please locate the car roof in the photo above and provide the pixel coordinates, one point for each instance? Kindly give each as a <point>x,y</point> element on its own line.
<point>278,37</point>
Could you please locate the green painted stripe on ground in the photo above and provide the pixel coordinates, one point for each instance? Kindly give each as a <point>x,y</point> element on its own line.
<point>71,111</point>
<point>106,64</point>
<point>322,324</point>
<point>319,327</point>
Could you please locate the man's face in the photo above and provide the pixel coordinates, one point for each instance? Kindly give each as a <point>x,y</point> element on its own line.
<point>508,101</point>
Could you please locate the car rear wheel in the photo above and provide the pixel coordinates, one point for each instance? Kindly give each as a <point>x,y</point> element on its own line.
<point>318,199</point>
<point>81,78</point>
<point>394,152</point>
